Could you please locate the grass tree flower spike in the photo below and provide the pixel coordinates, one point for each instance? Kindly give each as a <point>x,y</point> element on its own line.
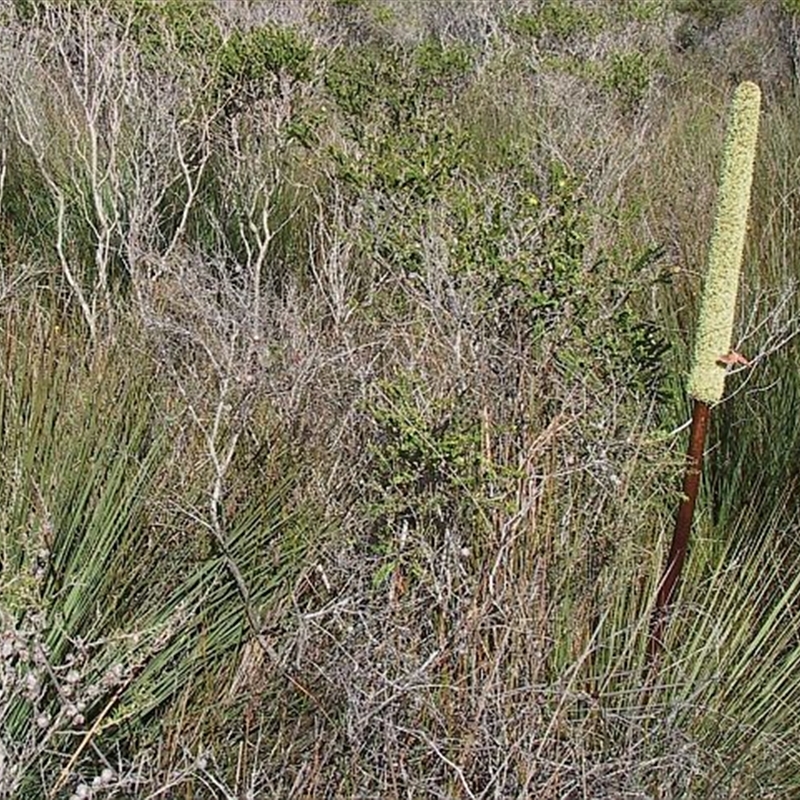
<point>712,351</point>
<point>707,378</point>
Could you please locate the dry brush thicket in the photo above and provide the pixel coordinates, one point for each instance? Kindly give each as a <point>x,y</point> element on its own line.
<point>342,401</point>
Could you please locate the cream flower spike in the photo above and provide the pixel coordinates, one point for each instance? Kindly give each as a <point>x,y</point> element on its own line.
<point>718,304</point>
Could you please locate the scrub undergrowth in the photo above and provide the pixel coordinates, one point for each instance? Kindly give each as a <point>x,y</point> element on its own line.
<point>343,360</point>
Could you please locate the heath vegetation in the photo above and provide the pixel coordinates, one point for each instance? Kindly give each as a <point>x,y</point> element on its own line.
<point>343,400</point>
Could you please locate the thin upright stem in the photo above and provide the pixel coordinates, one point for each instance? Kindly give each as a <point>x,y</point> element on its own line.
<point>683,526</point>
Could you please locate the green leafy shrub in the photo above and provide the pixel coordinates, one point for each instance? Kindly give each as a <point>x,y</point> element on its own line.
<point>558,20</point>
<point>518,248</point>
<point>187,27</point>
<point>251,62</point>
<point>376,87</point>
<point>399,150</point>
<point>642,10</point>
<point>628,75</point>
<point>424,449</point>
<point>429,475</point>
<point>416,160</point>
<point>526,257</point>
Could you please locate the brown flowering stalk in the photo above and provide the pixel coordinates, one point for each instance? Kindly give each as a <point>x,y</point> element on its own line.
<point>712,351</point>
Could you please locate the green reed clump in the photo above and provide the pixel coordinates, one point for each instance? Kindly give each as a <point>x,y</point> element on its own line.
<point>113,585</point>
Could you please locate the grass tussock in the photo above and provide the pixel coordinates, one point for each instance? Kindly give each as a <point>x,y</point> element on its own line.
<point>342,400</point>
